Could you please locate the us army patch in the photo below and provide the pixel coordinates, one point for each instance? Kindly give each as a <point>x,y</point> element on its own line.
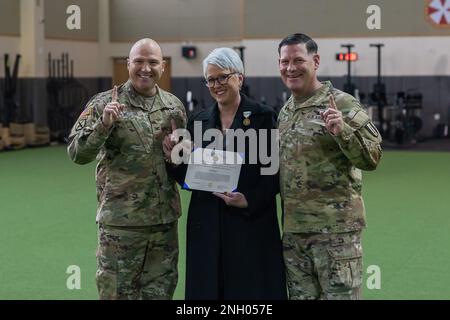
<point>372,129</point>
<point>86,113</point>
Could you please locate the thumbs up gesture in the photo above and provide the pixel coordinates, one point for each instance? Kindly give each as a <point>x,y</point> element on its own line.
<point>332,117</point>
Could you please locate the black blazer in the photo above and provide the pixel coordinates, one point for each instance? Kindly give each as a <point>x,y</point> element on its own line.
<point>234,253</point>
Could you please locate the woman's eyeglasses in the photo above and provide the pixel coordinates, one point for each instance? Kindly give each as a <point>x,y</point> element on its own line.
<point>222,80</point>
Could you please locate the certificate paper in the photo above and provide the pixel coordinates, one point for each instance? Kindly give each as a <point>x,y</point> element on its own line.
<point>213,170</point>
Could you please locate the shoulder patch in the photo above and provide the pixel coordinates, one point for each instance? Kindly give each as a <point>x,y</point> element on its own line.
<point>372,129</point>
<point>352,114</point>
<point>358,119</point>
<point>86,112</point>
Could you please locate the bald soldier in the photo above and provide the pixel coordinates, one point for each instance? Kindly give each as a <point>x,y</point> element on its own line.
<point>326,139</point>
<point>138,203</point>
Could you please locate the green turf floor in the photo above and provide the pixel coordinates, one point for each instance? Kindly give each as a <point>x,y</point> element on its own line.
<point>47,212</point>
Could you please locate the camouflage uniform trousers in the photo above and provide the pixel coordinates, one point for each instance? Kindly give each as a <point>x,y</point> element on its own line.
<point>323,266</point>
<point>137,262</point>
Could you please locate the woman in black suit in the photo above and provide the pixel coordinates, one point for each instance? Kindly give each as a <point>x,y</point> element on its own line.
<point>233,248</point>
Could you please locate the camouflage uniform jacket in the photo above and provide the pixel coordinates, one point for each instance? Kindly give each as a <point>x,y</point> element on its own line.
<point>133,187</point>
<point>320,174</point>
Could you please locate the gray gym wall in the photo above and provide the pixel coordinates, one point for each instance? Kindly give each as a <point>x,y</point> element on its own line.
<point>56,16</point>
<point>9,18</point>
<point>335,18</point>
<point>185,20</point>
<point>175,20</point>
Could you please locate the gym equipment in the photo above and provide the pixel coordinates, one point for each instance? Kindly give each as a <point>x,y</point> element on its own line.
<point>349,87</point>
<point>66,97</point>
<point>9,91</point>
<point>1,137</point>
<point>15,132</point>
<point>440,129</point>
<point>378,95</point>
<point>17,136</point>
<point>6,140</point>
<point>403,123</point>
<point>36,135</point>
<point>12,130</point>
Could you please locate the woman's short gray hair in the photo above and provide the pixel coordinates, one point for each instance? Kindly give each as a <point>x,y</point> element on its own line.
<point>224,58</point>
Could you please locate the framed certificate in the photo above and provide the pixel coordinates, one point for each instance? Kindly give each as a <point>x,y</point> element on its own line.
<point>213,170</point>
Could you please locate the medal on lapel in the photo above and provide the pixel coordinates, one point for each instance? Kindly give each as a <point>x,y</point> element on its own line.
<point>246,121</point>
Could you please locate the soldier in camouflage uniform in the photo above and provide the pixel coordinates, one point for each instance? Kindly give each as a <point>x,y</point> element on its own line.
<point>138,202</point>
<point>326,139</point>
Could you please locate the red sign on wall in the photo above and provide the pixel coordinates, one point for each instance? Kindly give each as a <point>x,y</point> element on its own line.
<point>438,12</point>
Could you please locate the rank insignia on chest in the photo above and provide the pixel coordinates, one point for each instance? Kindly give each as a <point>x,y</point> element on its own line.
<point>246,121</point>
